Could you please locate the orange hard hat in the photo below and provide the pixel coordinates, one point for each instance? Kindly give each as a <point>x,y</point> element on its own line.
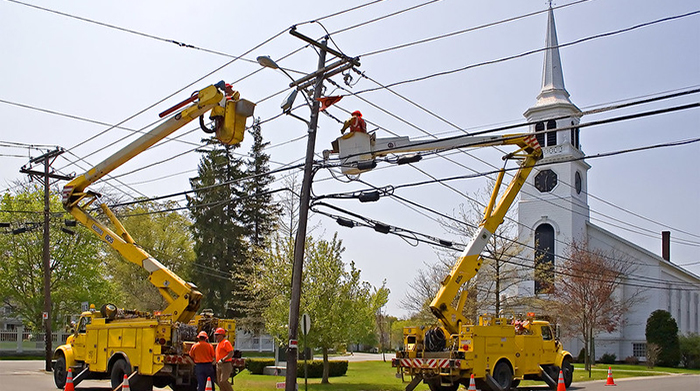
<point>357,112</point>
<point>203,334</point>
<point>219,331</point>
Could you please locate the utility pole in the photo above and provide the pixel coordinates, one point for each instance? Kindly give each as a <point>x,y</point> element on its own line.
<point>46,159</point>
<point>321,73</point>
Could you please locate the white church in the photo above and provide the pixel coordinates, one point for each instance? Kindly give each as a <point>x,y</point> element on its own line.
<point>553,211</point>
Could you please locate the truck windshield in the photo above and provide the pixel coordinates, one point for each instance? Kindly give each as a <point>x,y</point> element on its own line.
<point>547,333</point>
<point>84,321</point>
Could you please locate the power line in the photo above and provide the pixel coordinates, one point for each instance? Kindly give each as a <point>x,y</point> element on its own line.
<point>530,52</point>
<point>205,188</point>
<point>672,94</point>
<point>169,40</point>
<point>429,239</point>
<point>468,30</point>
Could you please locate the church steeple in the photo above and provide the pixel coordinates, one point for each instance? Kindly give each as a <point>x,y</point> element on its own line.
<point>553,206</point>
<point>553,89</point>
<point>553,99</point>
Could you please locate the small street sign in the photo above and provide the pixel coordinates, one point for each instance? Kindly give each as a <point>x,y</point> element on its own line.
<point>305,324</point>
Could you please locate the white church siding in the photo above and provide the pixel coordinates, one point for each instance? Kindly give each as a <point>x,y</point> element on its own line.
<point>659,283</point>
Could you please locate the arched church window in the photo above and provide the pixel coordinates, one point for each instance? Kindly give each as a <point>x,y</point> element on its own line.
<point>574,135</point>
<point>540,136</point>
<point>551,136</point>
<point>544,259</point>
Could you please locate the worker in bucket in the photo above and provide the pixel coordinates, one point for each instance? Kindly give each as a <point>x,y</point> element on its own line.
<point>203,355</point>
<point>224,355</point>
<point>355,123</point>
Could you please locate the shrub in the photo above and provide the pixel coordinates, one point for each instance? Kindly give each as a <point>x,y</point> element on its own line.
<point>632,360</point>
<point>336,368</point>
<point>653,351</point>
<point>662,330</point>
<point>581,356</point>
<point>256,365</point>
<point>608,358</point>
<point>690,350</point>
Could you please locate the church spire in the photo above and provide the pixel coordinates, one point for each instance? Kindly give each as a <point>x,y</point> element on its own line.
<point>553,89</point>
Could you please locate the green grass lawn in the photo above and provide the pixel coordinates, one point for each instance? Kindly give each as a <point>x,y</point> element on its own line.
<point>380,376</point>
<point>361,376</point>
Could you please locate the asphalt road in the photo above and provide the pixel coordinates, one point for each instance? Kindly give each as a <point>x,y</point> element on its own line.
<point>30,375</point>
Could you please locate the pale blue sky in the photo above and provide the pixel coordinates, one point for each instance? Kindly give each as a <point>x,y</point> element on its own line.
<point>70,66</point>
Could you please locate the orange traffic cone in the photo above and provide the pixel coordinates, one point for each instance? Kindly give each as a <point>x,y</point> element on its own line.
<point>125,384</point>
<point>561,386</point>
<point>69,381</point>
<point>610,381</point>
<point>472,385</point>
<point>209,385</point>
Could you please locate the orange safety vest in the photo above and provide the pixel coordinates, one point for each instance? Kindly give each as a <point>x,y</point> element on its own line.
<point>357,124</point>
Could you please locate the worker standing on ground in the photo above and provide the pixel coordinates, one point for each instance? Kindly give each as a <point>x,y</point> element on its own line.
<point>203,355</point>
<point>355,123</point>
<point>224,354</point>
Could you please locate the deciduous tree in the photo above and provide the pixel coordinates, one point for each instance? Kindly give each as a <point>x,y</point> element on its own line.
<point>78,272</point>
<point>586,292</point>
<point>488,291</point>
<point>341,306</point>
<point>161,232</point>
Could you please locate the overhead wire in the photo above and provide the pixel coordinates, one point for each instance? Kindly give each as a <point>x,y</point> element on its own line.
<point>165,40</point>
<point>530,52</point>
<point>596,111</point>
<point>429,239</point>
<point>467,30</point>
<point>172,41</point>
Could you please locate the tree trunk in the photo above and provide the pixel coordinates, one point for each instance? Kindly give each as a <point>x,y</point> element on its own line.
<point>326,366</point>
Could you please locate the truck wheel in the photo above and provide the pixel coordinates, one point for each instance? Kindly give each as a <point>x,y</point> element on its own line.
<point>161,381</point>
<point>189,387</point>
<point>60,372</point>
<point>436,386</point>
<point>568,371</point>
<point>136,383</point>
<point>503,375</point>
<point>119,369</point>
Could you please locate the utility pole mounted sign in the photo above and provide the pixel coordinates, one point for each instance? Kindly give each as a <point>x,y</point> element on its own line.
<point>305,324</point>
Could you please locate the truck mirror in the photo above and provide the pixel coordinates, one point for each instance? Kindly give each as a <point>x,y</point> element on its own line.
<point>557,331</point>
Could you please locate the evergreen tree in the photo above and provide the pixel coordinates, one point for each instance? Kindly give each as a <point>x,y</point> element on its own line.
<point>218,229</point>
<point>259,211</point>
<point>662,330</point>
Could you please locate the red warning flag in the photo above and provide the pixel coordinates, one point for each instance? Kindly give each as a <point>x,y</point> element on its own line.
<point>328,101</point>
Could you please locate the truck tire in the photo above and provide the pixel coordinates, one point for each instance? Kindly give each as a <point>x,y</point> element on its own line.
<point>188,387</point>
<point>436,386</point>
<point>503,375</point>
<point>161,381</point>
<point>568,371</point>
<point>60,372</point>
<point>136,383</point>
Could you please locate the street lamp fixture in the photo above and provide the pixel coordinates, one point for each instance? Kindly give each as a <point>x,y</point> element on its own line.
<point>268,62</point>
<point>288,102</point>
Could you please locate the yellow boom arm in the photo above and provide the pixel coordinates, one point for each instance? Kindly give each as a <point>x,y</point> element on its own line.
<point>229,114</point>
<point>357,154</point>
<point>470,261</point>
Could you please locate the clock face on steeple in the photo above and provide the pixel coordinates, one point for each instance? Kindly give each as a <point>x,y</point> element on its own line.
<point>545,181</point>
<point>577,182</point>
